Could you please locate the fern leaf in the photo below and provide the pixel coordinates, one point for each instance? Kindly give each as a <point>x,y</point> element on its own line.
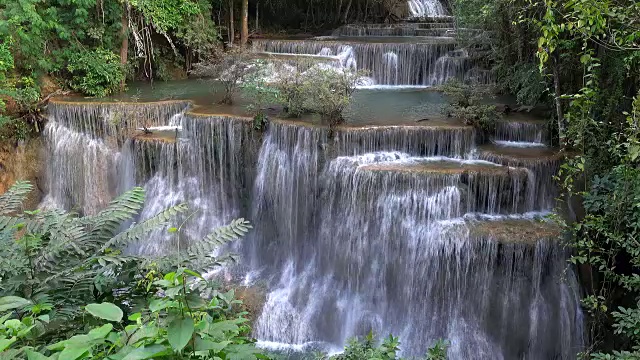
<point>137,231</point>
<point>12,200</point>
<point>201,254</point>
<point>107,223</point>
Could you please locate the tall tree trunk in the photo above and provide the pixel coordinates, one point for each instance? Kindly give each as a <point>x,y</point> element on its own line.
<point>244,33</point>
<point>232,30</point>
<point>124,46</point>
<point>257,16</point>
<point>346,12</point>
<point>558,92</point>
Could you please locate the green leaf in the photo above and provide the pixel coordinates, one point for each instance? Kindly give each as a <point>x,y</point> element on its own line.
<point>106,311</point>
<point>208,345</point>
<point>101,332</point>
<point>32,355</point>
<point>146,352</point>
<point>5,343</point>
<point>73,353</point>
<point>179,333</point>
<point>12,302</point>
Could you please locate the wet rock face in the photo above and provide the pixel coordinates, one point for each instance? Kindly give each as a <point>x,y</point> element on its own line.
<point>22,161</point>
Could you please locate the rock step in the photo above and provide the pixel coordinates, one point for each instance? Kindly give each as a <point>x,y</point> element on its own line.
<point>514,231</point>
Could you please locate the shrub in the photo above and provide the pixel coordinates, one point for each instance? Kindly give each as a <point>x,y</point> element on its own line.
<point>466,104</point>
<point>231,69</point>
<point>368,348</point>
<point>95,72</point>
<point>328,91</point>
<point>305,87</point>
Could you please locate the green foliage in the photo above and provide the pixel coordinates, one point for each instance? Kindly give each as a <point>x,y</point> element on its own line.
<point>60,269</point>
<point>231,69</point>
<point>95,72</point>
<point>466,104</point>
<point>598,42</point>
<point>176,322</point>
<point>328,91</point>
<point>525,81</point>
<point>62,261</point>
<point>368,348</point>
<point>305,87</point>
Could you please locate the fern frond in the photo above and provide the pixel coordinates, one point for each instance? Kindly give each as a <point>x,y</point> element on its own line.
<point>202,255</point>
<point>13,198</point>
<point>8,222</point>
<point>137,231</point>
<point>219,237</point>
<point>107,223</point>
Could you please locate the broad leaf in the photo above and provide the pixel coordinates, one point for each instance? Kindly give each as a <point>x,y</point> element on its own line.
<point>208,345</point>
<point>179,333</point>
<point>32,355</point>
<point>12,302</point>
<point>5,343</point>
<point>73,353</point>
<point>146,352</point>
<point>101,332</point>
<point>106,311</point>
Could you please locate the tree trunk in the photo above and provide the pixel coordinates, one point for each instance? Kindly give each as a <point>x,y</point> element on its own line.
<point>244,33</point>
<point>346,12</point>
<point>558,92</point>
<point>257,16</point>
<point>124,47</point>
<point>232,30</point>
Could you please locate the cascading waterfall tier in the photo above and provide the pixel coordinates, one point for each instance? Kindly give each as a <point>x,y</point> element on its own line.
<point>286,187</point>
<point>404,250</point>
<point>205,168</point>
<point>415,61</point>
<point>452,141</point>
<point>83,142</point>
<point>207,164</point>
<point>426,8</point>
<point>102,120</point>
<point>542,163</point>
<point>521,131</point>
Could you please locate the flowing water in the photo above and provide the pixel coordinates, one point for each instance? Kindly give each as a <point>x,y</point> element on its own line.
<point>388,223</point>
<point>426,8</point>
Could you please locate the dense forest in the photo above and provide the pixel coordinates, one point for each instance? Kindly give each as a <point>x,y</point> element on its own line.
<point>68,288</point>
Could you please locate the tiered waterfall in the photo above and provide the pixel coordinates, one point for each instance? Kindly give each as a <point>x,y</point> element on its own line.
<point>410,230</point>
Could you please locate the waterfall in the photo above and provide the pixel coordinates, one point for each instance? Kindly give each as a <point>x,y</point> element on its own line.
<point>426,8</point>
<point>414,63</point>
<point>415,140</point>
<point>83,148</point>
<point>410,230</point>
<point>205,167</point>
<point>403,250</point>
<point>525,131</point>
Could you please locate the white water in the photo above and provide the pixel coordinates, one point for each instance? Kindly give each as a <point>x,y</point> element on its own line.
<point>426,8</point>
<point>344,247</point>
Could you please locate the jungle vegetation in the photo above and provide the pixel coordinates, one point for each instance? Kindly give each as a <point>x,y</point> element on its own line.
<point>578,58</point>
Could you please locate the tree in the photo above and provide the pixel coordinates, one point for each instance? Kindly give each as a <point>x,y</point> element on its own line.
<point>244,35</point>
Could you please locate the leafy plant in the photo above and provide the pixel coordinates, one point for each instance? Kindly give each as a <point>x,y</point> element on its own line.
<point>95,72</point>
<point>176,322</point>
<point>370,348</point>
<point>62,261</point>
<point>230,69</point>
<point>466,104</point>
